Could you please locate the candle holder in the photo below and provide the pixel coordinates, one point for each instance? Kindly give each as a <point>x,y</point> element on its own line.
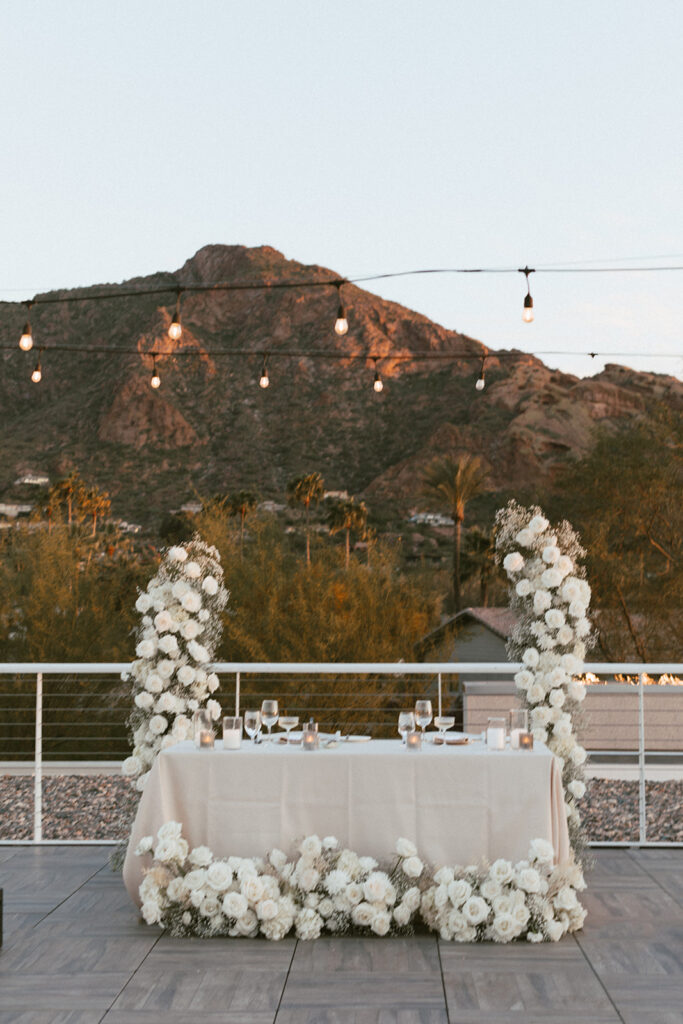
<point>309,738</point>
<point>519,723</point>
<point>203,724</point>
<point>495,734</point>
<point>413,741</point>
<point>232,732</point>
<point>526,741</point>
<point>206,739</point>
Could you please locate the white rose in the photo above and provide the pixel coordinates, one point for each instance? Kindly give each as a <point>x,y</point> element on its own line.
<point>144,700</point>
<point>402,915</point>
<point>513,562</point>
<point>278,859</point>
<point>458,891</point>
<point>168,644</point>
<point>504,927</point>
<point>192,570</point>
<point>404,848</point>
<point>412,867</point>
<point>219,876</point>
<point>565,635</point>
<point>354,893</point>
<point>190,630</point>
<point>177,890</point>
<point>247,923</point>
<point>146,649</point>
<point>582,627</point>
<point>209,906</point>
<point>144,846</point>
<point>166,668</point>
<point>523,679</point>
<point>501,871</point>
<point>529,880</point>
<point>252,888</point>
<point>571,591</point>
<point>554,618</point>
<point>541,851</point>
<point>163,621</point>
<point>531,657</point>
<point>158,724</point>
<point>550,554</point>
<point>577,690</point>
<point>198,652</point>
<point>577,610</point>
<point>235,905</point>
<point>542,601</point>
<point>141,781</point>
<point>565,898</point>
<point>177,554</point>
<point>376,887</point>
<point>266,910</point>
<point>551,578</point>
<point>212,682</point>
<point>444,876</point>
<point>475,910</point>
<point>562,729</point>
<point>204,615</point>
<point>195,880</point>
<point>143,603</point>
<point>537,525</point>
<point>311,847</point>
<point>308,879</point>
<point>556,698</point>
<point>535,693</point>
<point>154,683</point>
<point>523,588</point>
<point>362,915</point>
<point>151,912</point>
<point>214,709</point>
<point>201,857</point>
<point>411,898</point>
<point>179,588</point>
<point>186,675</point>
<point>210,586</point>
<point>336,882</point>
<point>191,601</point>
<point>525,538</point>
<point>381,922</point>
<point>577,788</point>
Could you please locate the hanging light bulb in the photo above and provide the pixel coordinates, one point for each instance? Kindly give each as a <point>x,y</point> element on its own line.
<point>481,382</point>
<point>26,339</point>
<point>528,312</point>
<point>175,329</point>
<point>264,379</point>
<point>155,382</point>
<point>341,324</point>
<point>37,374</point>
<point>378,383</point>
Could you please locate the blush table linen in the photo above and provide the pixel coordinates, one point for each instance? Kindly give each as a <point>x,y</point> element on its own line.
<point>457,804</point>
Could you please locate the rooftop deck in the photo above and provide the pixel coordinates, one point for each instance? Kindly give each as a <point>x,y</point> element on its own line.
<point>76,953</point>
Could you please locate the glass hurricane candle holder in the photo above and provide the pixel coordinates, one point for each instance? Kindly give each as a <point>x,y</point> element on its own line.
<point>310,738</point>
<point>519,723</point>
<point>413,741</point>
<point>203,727</point>
<point>232,732</point>
<point>495,734</point>
<point>526,741</point>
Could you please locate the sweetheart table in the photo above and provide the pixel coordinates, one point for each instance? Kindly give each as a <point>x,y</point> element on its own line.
<point>457,804</point>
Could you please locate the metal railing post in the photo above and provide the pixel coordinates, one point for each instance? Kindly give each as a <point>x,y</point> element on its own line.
<point>38,764</point>
<point>237,694</point>
<point>642,830</point>
<point>440,711</point>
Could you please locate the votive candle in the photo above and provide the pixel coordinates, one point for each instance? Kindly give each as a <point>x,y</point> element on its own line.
<point>206,739</point>
<point>526,741</point>
<point>413,741</point>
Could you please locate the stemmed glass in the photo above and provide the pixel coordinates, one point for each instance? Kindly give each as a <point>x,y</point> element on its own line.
<point>289,722</point>
<point>269,714</point>
<point>406,723</point>
<point>252,724</point>
<point>423,714</point>
<point>444,722</point>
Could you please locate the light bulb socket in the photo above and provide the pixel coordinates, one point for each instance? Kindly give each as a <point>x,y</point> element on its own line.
<point>528,301</point>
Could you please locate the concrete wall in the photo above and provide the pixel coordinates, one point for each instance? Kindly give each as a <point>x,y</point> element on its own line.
<point>609,714</point>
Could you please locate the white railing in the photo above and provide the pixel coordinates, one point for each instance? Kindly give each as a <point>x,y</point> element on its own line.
<point>395,669</point>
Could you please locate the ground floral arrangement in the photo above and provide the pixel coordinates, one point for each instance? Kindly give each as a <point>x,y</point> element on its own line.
<point>177,639</point>
<point>330,889</point>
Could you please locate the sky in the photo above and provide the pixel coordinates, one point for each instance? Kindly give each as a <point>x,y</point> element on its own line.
<point>367,136</point>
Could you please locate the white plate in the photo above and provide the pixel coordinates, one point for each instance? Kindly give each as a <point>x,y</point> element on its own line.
<point>358,739</point>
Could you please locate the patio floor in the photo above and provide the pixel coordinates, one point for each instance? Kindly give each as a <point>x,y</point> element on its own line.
<point>75,952</point>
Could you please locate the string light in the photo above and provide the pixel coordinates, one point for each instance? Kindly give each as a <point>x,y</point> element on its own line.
<point>341,324</point>
<point>481,382</point>
<point>26,339</point>
<point>37,374</point>
<point>175,329</point>
<point>528,313</point>
<point>264,379</point>
<point>155,382</point>
<point>378,383</point>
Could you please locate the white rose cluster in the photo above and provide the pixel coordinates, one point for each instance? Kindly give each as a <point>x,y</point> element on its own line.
<point>327,888</point>
<point>180,630</point>
<point>551,599</point>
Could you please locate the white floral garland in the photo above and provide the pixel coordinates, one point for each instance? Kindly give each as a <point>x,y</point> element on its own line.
<point>330,889</point>
<point>180,629</point>
<point>550,597</point>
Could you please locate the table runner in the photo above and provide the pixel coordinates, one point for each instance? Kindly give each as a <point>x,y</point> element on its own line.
<point>457,804</point>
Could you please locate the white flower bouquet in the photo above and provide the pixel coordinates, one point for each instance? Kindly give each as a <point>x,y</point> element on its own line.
<point>179,632</point>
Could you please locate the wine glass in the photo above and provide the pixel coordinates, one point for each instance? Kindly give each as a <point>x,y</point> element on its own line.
<point>444,722</point>
<point>406,723</point>
<point>252,724</point>
<point>269,714</point>
<point>289,722</point>
<point>423,714</point>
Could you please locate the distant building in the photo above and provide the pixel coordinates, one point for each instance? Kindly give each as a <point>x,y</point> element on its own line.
<point>431,519</point>
<point>12,510</point>
<point>336,495</point>
<point>193,508</point>
<point>271,506</point>
<point>32,479</point>
<point>474,634</point>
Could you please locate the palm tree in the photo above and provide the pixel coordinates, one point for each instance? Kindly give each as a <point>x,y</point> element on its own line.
<point>302,491</point>
<point>70,490</point>
<point>479,560</point>
<point>240,504</point>
<point>95,503</point>
<point>347,515</point>
<point>454,482</point>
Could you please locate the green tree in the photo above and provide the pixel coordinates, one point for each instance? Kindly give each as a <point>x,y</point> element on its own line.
<point>240,504</point>
<point>69,492</point>
<point>453,483</point>
<point>478,561</point>
<point>306,490</point>
<point>348,515</point>
<point>96,504</point>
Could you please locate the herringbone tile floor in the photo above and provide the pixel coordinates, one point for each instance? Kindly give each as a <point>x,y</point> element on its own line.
<point>75,952</point>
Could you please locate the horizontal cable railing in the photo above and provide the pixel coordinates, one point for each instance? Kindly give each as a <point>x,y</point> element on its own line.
<point>75,714</point>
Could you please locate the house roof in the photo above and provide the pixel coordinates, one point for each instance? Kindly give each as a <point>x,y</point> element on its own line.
<point>498,620</point>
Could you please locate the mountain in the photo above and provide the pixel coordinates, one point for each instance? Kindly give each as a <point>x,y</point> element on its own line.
<point>210,428</point>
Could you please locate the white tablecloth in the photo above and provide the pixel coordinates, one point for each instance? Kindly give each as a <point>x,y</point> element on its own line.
<point>457,804</point>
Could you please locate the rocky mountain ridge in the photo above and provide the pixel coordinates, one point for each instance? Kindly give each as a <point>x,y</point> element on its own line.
<point>210,428</point>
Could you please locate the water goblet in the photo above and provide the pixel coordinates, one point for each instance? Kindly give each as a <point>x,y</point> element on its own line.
<point>423,714</point>
<point>406,723</point>
<point>288,722</point>
<point>269,714</point>
<point>444,722</point>
<point>252,724</point>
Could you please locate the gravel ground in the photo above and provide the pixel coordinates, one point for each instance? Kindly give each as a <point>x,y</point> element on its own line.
<point>100,807</point>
